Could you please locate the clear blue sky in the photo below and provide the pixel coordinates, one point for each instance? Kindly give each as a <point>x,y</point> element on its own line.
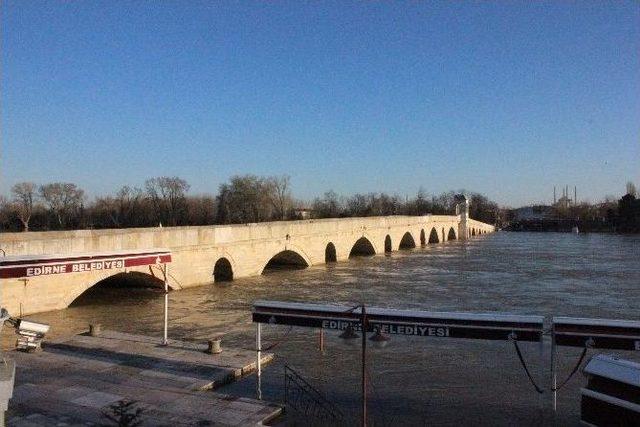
<point>505,98</point>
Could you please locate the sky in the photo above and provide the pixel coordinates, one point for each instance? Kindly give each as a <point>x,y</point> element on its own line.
<point>503,98</point>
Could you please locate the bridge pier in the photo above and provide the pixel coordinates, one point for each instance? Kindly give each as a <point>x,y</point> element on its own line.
<point>462,211</point>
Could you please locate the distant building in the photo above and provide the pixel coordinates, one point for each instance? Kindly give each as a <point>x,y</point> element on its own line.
<point>533,213</point>
<point>564,202</point>
<point>302,213</point>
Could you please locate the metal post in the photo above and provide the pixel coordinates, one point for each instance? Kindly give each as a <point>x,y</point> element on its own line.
<point>258,362</point>
<point>541,376</point>
<point>321,339</point>
<point>165,340</point>
<point>363,322</point>
<point>553,370</point>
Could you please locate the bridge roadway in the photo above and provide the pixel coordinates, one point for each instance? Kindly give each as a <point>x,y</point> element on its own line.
<point>204,254</point>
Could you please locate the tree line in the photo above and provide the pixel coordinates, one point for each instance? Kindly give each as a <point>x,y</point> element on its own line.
<point>243,199</point>
<point>627,217</point>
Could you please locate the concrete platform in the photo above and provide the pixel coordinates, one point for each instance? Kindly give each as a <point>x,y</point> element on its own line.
<point>75,381</point>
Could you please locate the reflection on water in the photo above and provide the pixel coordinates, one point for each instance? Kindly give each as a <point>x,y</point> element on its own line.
<point>415,380</point>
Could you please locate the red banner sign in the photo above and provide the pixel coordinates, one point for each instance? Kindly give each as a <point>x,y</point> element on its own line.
<point>33,267</point>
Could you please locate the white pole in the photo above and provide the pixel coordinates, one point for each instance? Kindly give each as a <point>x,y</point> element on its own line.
<point>165,340</point>
<point>258,362</point>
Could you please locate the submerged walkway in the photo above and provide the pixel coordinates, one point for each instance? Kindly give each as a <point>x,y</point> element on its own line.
<point>75,381</point>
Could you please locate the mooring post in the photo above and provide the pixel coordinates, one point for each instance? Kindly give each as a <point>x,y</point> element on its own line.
<point>165,340</point>
<point>214,344</point>
<point>95,329</point>
<point>258,362</point>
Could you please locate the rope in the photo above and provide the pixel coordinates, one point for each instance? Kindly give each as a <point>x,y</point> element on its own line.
<point>272,346</point>
<point>277,343</point>
<point>573,372</point>
<point>524,365</point>
<point>152,266</point>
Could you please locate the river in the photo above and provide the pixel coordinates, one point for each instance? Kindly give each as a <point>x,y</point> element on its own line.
<point>415,381</point>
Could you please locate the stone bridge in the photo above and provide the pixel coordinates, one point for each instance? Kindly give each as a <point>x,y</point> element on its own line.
<point>204,254</point>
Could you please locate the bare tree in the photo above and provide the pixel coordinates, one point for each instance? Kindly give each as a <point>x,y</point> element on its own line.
<point>168,197</point>
<point>482,209</point>
<point>244,199</point>
<point>358,205</point>
<point>201,210</point>
<point>105,213</point>
<point>6,212</point>
<point>63,200</point>
<point>631,189</point>
<point>129,202</point>
<point>280,194</point>
<point>329,206</point>
<point>24,194</point>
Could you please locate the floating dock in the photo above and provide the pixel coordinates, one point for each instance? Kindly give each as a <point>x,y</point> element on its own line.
<point>76,381</point>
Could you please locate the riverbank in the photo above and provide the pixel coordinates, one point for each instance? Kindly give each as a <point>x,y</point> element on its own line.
<point>560,226</point>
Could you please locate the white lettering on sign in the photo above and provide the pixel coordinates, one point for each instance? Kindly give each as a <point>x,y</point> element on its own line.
<point>98,265</point>
<point>391,329</point>
<point>46,269</point>
<point>74,267</point>
<point>339,325</point>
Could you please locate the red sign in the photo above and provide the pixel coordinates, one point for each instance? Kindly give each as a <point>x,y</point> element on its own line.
<point>33,266</point>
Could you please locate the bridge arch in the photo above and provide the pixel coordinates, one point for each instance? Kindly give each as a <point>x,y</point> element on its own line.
<point>286,260</point>
<point>122,280</point>
<point>433,236</point>
<point>423,239</point>
<point>362,247</point>
<point>407,241</point>
<point>222,270</point>
<point>452,234</point>
<point>330,253</point>
<point>387,244</point>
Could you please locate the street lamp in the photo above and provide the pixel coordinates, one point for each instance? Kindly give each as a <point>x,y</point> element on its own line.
<point>379,339</point>
<point>349,334</point>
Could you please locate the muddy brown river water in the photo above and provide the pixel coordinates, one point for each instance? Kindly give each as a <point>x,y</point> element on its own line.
<point>415,381</point>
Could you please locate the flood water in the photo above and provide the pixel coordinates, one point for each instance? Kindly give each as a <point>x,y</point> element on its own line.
<point>415,381</point>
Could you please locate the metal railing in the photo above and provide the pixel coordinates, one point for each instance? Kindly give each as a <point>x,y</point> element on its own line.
<point>305,399</point>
